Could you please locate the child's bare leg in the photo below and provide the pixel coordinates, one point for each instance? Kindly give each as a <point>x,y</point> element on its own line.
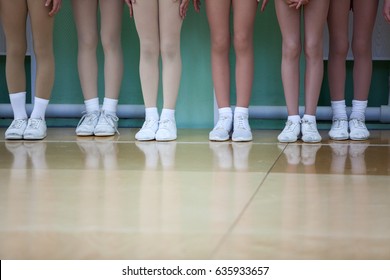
<point>146,22</point>
<point>338,47</point>
<point>13,15</point>
<point>289,21</point>
<point>364,19</point>
<point>170,24</point>
<point>218,14</point>
<point>244,12</point>
<point>111,26</point>
<point>315,14</point>
<point>42,28</point>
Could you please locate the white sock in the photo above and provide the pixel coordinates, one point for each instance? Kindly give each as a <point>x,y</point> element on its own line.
<point>359,110</point>
<point>294,118</point>
<point>339,110</point>
<point>151,113</point>
<point>39,110</point>
<point>92,105</point>
<point>110,105</point>
<point>18,104</point>
<point>226,111</point>
<point>309,118</point>
<point>241,111</point>
<point>168,114</point>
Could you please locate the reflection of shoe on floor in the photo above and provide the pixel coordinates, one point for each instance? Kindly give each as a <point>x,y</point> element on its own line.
<point>91,152</point>
<point>241,155</point>
<point>167,152</point>
<point>356,155</point>
<point>19,153</point>
<point>339,156</point>
<point>150,152</point>
<point>37,153</point>
<point>309,153</point>
<point>223,152</point>
<point>292,153</point>
<point>108,151</point>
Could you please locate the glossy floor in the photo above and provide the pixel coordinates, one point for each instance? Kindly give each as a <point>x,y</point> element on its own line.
<point>115,198</point>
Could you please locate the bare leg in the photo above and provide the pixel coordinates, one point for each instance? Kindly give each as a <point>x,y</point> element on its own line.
<point>289,21</point>
<point>13,16</point>
<point>315,14</point>
<point>338,47</point>
<point>170,24</point>
<point>364,19</point>
<point>85,14</point>
<point>218,14</point>
<point>146,22</point>
<point>111,26</point>
<point>42,28</point>
<point>244,17</point>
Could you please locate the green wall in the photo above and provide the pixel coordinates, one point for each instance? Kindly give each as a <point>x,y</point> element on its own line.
<point>195,103</point>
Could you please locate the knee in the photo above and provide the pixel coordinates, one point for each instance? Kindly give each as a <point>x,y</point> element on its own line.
<point>88,42</point>
<point>150,50</point>
<point>220,44</point>
<point>16,50</point>
<point>242,42</point>
<point>313,50</point>
<point>339,49</point>
<point>169,49</point>
<point>361,48</point>
<point>291,50</point>
<point>110,41</point>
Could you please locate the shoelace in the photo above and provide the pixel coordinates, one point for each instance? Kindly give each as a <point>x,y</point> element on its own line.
<point>89,117</point>
<point>358,123</point>
<point>337,123</point>
<point>109,119</point>
<point>221,123</point>
<point>17,123</point>
<point>34,123</point>
<point>311,126</point>
<point>149,123</point>
<point>289,126</point>
<point>164,124</point>
<point>240,121</point>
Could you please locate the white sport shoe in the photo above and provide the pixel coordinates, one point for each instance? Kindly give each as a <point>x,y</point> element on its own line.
<point>87,123</point>
<point>290,132</point>
<point>107,124</point>
<point>309,132</point>
<point>35,130</point>
<point>222,130</point>
<point>241,131</point>
<point>339,129</point>
<point>16,129</point>
<point>148,130</point>
<point>166,130</point>
<point>358,129</point>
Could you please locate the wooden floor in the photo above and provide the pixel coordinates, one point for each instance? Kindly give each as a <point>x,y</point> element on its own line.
<point>115,198</point>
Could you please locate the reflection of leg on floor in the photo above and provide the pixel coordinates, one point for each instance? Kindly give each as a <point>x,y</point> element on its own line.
<point>223,153</point>
<point>356,156</point>
<point>167,152</point>
<point>149,148</point>
<point>241,152</point>
<point>37,154</point>
<point>292,153</point>
<point>308,153</point>
<point>108,151</point>
<point>88,147</point>
<point>339,156</point>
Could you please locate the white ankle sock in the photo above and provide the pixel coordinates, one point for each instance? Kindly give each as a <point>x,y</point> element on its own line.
<point>309,118</point>
<point>39,110</point>
<point>359,110</point>
<point>225,111</point>
<point>294,118</point>
<point>110,105</point>
<point>339,110</point>
<point>168,114</point>
<point>151,113</point>
<point>18,104</point>
<point>92,105</point>
<point>241,111</point>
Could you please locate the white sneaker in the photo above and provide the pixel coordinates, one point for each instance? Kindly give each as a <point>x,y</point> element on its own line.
<point>166,130</point>
<point>339,130</point>
<point>222,130</point>
<point>87,123</point>
<point>107,124</point>
<point>148,130</point>
<point>309,132</point>
<point>16,129</point>
<point>358,129</point>
<point>35,130</point>
<point>290,132</point>
<point>241,131</point>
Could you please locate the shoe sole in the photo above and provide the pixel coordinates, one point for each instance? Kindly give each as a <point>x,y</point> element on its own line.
<point>359,139</point>
<point>33,138</point>
<point>16,137</point>
<point>165,139</point>
<point>339,138</point>
<point>104,134</point>
<point>242,139</point>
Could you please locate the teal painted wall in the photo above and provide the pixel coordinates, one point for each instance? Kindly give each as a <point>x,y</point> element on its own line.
<point>195,103</point>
